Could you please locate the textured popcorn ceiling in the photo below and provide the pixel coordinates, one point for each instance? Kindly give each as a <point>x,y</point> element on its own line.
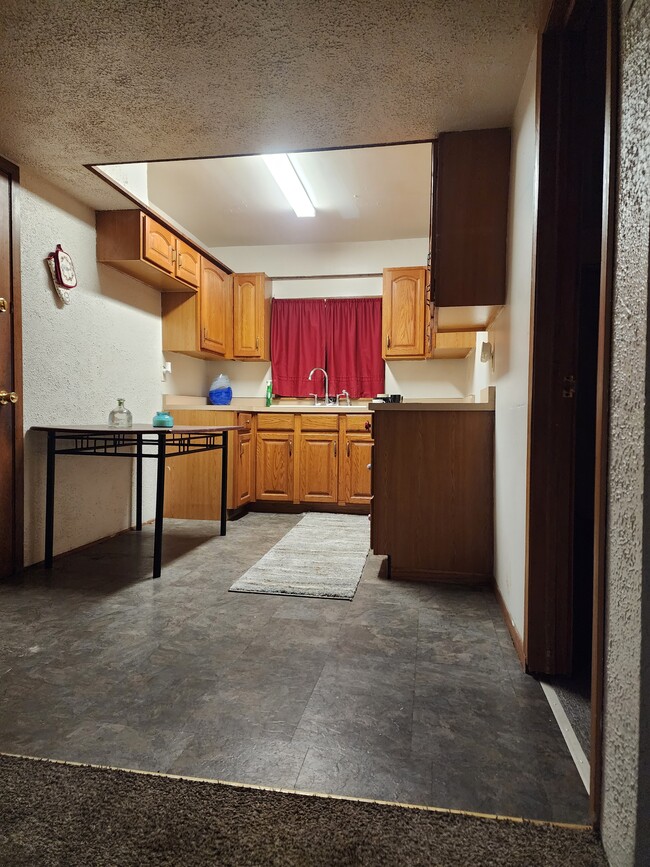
<point>118,81</point>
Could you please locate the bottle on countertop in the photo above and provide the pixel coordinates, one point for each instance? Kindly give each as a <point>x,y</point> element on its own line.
<point>220,393</point>
<point>269,391</point>
<point>120,416</point>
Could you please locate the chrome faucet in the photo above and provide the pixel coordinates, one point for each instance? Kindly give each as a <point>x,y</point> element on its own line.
<point>344,394</point>
<point>324,372</point>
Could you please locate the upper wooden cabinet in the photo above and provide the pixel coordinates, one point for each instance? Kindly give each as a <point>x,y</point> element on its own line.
<point>216,310</point>
<point>406,321</point>
<point>138,245</point>
<point>200,324</point>
<point>252,317</point>
<point>470,216</point>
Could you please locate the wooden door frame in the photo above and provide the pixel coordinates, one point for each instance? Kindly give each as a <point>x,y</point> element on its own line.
<point>13,174</point>
<point>558,13</point>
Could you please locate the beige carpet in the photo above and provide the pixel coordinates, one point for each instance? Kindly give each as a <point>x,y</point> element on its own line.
<point>322,556</point>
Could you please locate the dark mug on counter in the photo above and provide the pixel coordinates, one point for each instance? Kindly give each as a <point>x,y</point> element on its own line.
<point>394,398</point>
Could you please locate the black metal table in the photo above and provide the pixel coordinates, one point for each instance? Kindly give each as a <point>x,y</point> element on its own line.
<point>162,443</point>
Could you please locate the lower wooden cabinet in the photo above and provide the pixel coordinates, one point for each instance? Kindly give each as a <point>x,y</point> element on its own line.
<point>244,470</point>
<point>277,458</point>
<point>318,467</point>
<point>355,475</point>
<point>275,466</point>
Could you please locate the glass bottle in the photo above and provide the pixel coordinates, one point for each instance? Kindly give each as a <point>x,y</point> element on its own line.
<point>120,416</point>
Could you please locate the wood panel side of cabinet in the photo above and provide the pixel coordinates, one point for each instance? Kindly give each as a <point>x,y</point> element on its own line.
<point>433,494</point>
<point>471,214</point>
<point>193,482</point>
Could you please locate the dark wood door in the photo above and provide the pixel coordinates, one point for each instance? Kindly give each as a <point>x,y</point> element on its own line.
<point>565,345</point>
<point>11,519</point>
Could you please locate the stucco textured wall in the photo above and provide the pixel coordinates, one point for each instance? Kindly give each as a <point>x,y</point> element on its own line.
<point>626,786</point>
<point>78,359</point>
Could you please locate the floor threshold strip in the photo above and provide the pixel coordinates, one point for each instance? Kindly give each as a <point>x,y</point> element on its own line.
<point>577,753</point>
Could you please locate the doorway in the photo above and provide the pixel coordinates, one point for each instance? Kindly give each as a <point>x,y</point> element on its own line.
<point>11,431</point>
<point>564,608</point>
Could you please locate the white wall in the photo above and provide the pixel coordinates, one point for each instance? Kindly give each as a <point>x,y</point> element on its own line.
<point>78,358</point>
<point>439,378</point>
<point>510,337</point>
<point>134,177</point>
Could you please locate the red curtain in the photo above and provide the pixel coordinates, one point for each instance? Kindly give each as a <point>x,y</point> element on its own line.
<point>354,361</point>
<point>297,345</point>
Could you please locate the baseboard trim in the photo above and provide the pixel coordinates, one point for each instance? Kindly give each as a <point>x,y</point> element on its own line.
<point>512,629</point>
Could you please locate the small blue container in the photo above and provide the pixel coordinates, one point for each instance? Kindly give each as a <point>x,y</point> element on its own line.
<point>163,419</point>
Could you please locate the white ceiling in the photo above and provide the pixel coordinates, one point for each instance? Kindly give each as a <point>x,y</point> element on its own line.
<point>365,194</point>
<point>114,82</point>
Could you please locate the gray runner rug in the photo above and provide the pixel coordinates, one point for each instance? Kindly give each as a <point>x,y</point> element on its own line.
<point>323,555</point>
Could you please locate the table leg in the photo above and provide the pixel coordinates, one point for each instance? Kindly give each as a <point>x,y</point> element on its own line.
<point>138,485</point>
<point>49,499</point>
<point>160,498</point>
<point>224,480</point>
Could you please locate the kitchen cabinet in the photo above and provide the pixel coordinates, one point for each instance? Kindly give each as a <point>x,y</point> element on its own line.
<point>469,221</point>
<point>433,490</point>
<point>355,484</point>
<point>139,245</point>
<point>318,461</point>
<point>275,466</point>
<point>252,317</point>
<point>200,324</point>
<point>406,319</point>
<point>244,475</point>
<point>355,475</point>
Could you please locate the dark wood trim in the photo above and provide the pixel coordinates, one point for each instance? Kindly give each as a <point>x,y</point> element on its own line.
<point>610,186</point>
<point>510,625</point>
<point>13,172</point>
<point>289,150</point>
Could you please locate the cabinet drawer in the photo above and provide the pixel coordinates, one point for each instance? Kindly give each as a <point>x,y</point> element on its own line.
<point>359,422</point>
<point>316,422</point>
<point>245,419</point>
<point>274,421</point>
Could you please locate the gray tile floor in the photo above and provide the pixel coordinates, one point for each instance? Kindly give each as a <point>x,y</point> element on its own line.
<point>411,692</point>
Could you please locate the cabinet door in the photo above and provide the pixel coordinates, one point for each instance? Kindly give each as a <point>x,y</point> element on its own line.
<point>158,245</point>
<point>404,313</point>
<point>471,218</point>
<point>274,466</point>
<point>318,467</point>
<point>247,319</point>
<point>356,477</point>
<point>188,264</point>
<point>216,310</point>
<point>245,475</point>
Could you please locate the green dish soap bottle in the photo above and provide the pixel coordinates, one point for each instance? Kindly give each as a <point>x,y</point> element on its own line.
<point>269,391</point>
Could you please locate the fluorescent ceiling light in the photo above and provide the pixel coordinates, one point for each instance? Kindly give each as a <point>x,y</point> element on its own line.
<point>286,178</point>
